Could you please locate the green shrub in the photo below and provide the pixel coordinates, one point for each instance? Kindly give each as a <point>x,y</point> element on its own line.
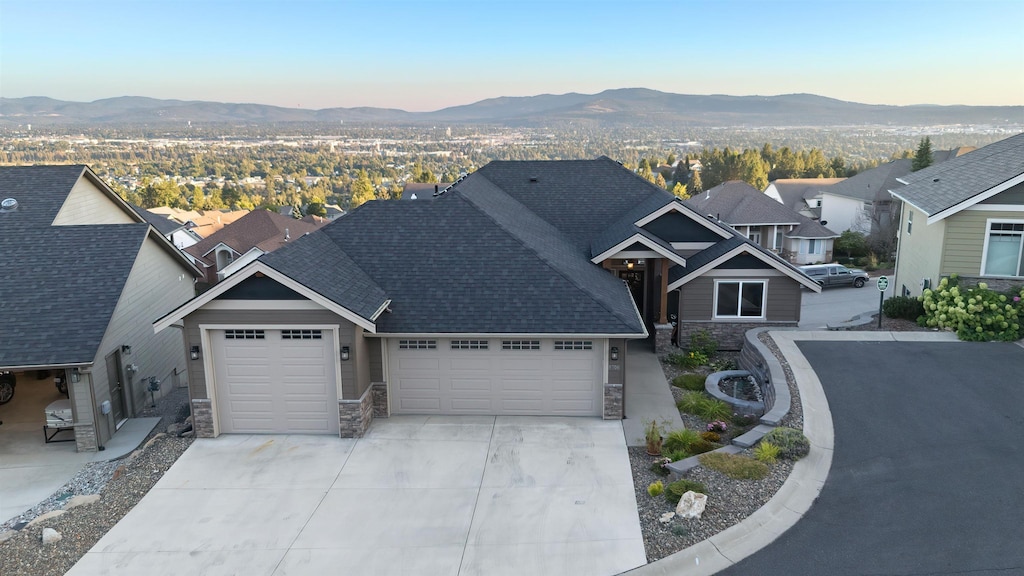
<point>702,342</point>
<point>711,436</point>
<point>743,420</point>
<point>722,364</point>
<point>766,452</point>
<point>689,382</point>
<point>735,465</point>
<point>688,360</point>
<point>677,455</point>
<point>904,307</point>
<point>675,490</point>
<point>703,406</point>
<point>680,440</point>
<point>792,443</point>
<point>701,446</point>
<point>656,488</point>
<point>976,314</point>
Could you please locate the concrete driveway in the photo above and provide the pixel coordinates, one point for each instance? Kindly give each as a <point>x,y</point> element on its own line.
<point>927,463</point>
<point>417,495</point>
<point>839,304</point>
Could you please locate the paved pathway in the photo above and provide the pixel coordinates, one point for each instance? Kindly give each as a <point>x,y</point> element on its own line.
<point>647,394</point>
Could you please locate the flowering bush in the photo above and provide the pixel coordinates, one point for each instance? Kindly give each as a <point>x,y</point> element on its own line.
<point>975,314</point>
<point>717,426</point>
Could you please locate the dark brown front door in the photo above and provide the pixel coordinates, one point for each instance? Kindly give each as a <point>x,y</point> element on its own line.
<point>116,380</point>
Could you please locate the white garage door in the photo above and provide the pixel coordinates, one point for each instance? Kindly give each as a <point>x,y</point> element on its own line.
<point>526,377</point>
<point>275,381</point>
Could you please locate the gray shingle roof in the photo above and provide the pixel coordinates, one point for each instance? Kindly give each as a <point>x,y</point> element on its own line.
<point>695,262</point>
<point>260,228</point>
<point>59,287</point>
<point>39,190</point>
<point>739,204</point>
<point>624,227</point>
<point>795,191</point>
<point>942,186</point>
<point>810,229</point>
<point>163,224</point>
<point>874,184</point>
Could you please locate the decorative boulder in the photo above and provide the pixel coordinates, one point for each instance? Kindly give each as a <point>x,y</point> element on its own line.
<point>50,536</point>
<point>667,517</point>
<point>76,501</point>
<point>691,504</point>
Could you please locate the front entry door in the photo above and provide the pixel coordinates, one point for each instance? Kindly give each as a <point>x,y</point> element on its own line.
<point>116,381</point>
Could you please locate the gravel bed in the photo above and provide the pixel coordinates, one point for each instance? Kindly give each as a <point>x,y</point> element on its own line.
<point>121,483</point>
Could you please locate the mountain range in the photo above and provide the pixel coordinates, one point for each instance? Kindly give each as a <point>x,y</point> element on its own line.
<point>619,107</point>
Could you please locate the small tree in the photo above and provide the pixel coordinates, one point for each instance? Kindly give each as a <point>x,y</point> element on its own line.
<point>923,157</point>
<point>851,243</point>
<point>695,186</point>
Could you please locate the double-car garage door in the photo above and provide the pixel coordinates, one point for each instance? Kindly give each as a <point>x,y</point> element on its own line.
<point>275,381</point>
<point>492,376</point>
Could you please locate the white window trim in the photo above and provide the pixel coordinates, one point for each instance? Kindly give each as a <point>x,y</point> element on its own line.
<point>764,299</point>
<point>984,252</point>
<point>910,221</point>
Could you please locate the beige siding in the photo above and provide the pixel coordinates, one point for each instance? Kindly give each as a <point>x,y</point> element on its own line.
<point>696,298</point>
<point>361,358</point>
<point>157,284</point>
<point>919,252</point>
<point>965,240</point>
<point>87,204</point>
<point>346,337</point>
<point>374,345</point>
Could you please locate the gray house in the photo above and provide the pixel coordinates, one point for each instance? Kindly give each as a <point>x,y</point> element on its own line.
<point>83,278</point>
<point>514,292</point>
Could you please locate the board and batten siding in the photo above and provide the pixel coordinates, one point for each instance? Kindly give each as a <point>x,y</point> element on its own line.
<point>87,204</point>
<point>697,299</point>
<point>157,284</point>
<point>920,252</point>
<point>353,380</point>
<point>965,239</point>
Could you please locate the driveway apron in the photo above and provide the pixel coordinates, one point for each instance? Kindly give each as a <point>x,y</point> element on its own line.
<point>417,495</point>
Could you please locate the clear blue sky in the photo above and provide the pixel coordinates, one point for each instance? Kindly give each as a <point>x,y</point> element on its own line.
<point>429,54</point>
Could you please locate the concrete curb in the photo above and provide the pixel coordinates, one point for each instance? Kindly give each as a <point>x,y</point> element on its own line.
<point>806,480</point>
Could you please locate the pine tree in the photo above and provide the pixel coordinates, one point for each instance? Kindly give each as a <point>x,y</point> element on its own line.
<point>695,186</point>
<point>923,157</point>
<point>362,190</point>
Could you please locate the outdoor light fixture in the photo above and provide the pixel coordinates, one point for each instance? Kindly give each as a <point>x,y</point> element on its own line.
<point>629,264</point>
<point>614,353</point>
<point>126,349</point>
<point>193,352</point>
<point>344,353</point>
<point>75,375</point>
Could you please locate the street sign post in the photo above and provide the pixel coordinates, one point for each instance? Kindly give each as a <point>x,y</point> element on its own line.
<point>882,283</point>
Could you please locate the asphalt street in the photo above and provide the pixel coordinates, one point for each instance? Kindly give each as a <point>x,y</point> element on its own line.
<point>928,470</point>
<point>839,304</point>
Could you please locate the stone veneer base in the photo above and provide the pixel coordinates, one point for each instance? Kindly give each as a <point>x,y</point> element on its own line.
<point>202,417</point>
<point>355,416</point>
<point>613,402</point>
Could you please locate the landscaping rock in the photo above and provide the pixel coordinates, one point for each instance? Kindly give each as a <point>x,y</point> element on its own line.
<point>155,438</point>
<point>47,516</point>
<point>691,505</point>
<point>667,517</point>
<point>50,536</point>
<point>80,500</point>
<point>7,535</point>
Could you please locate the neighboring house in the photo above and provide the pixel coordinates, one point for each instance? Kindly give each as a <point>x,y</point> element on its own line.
<point>83,278</point>
<point>245,240</point>
<point>334,211</point>
<point>180,234</point>
<point>514,292</point>
<point>964,216</point>
<point>766,222</point>
<point>202,222</point>
<point>801,195</point>
<point>422,190</point>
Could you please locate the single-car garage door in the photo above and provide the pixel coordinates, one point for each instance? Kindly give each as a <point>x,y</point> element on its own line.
<point>275,381</point>
<point>525,377</point>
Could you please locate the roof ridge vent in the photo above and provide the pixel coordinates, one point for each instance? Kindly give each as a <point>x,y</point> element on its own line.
<point>8,205</point>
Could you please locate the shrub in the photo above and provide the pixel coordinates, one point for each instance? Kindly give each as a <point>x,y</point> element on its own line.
<point>711,436</point>
<point>701,446</point>
<point>735,465</point>
<point>717,426</point>
<point>655,488</point>
<point>659,466</point>
<point>766,452</point>
<point>677,455</point>
<point>680,440</point>
<point>722,364</point>
<point>743,420</point>
<point>976,314</point>
<point>693,382</point>
<point>675,490</point>
<point>792,443</point>
<point>694,359</point>
<point>704,343</point>
<point>904,307</point>
<point>703,406</point>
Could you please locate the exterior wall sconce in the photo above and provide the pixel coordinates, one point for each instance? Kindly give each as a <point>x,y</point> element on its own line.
<point>629,264</point>
<point>76,376</point>
<point>126,349</point>
<point>614,353</point>
<point>193,352</point>
<point>345,353</point>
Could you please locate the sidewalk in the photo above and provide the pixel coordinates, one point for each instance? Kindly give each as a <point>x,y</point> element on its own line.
<point>647,394</point>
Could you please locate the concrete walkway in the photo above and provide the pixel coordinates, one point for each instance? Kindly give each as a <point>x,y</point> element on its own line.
<point>647,394</point>
<point>806,481</point>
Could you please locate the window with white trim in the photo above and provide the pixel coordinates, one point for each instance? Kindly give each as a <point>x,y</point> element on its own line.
<point>469,344</point>
<point>740,299</point>
<point>574,345</point>
<point>1004,248</point>
<point>244,335</point>
<point>301,334</point>
<point>754,236</point>
<point>812,246</point>
<point>417,344</point>
<point>520,344</point>
<point>910,220</point>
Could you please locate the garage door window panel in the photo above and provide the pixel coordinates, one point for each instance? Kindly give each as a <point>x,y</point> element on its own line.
<point>520,344</point>
<point>417,344</point>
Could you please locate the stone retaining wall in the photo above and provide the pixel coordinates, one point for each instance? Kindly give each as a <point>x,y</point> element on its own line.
<point>202,418</point>
<point>729,335</point>
<point>997,284</point>
<point>380,400</point>
<point>757,359</point>
<point>355,416</point>
<point>613,402</point>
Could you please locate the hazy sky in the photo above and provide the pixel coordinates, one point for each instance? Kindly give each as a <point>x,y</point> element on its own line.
<point>429,54</point>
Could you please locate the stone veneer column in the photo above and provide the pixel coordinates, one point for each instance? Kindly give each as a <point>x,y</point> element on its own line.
<point>202,418</point>
<point>663,338</point>
<point>380,400</point>
<point>355,416</point>
<point>613,402</point>
<point>85,438</point>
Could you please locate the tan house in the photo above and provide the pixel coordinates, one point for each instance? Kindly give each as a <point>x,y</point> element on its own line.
<point>83,278</point>
<point>964,216</point>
